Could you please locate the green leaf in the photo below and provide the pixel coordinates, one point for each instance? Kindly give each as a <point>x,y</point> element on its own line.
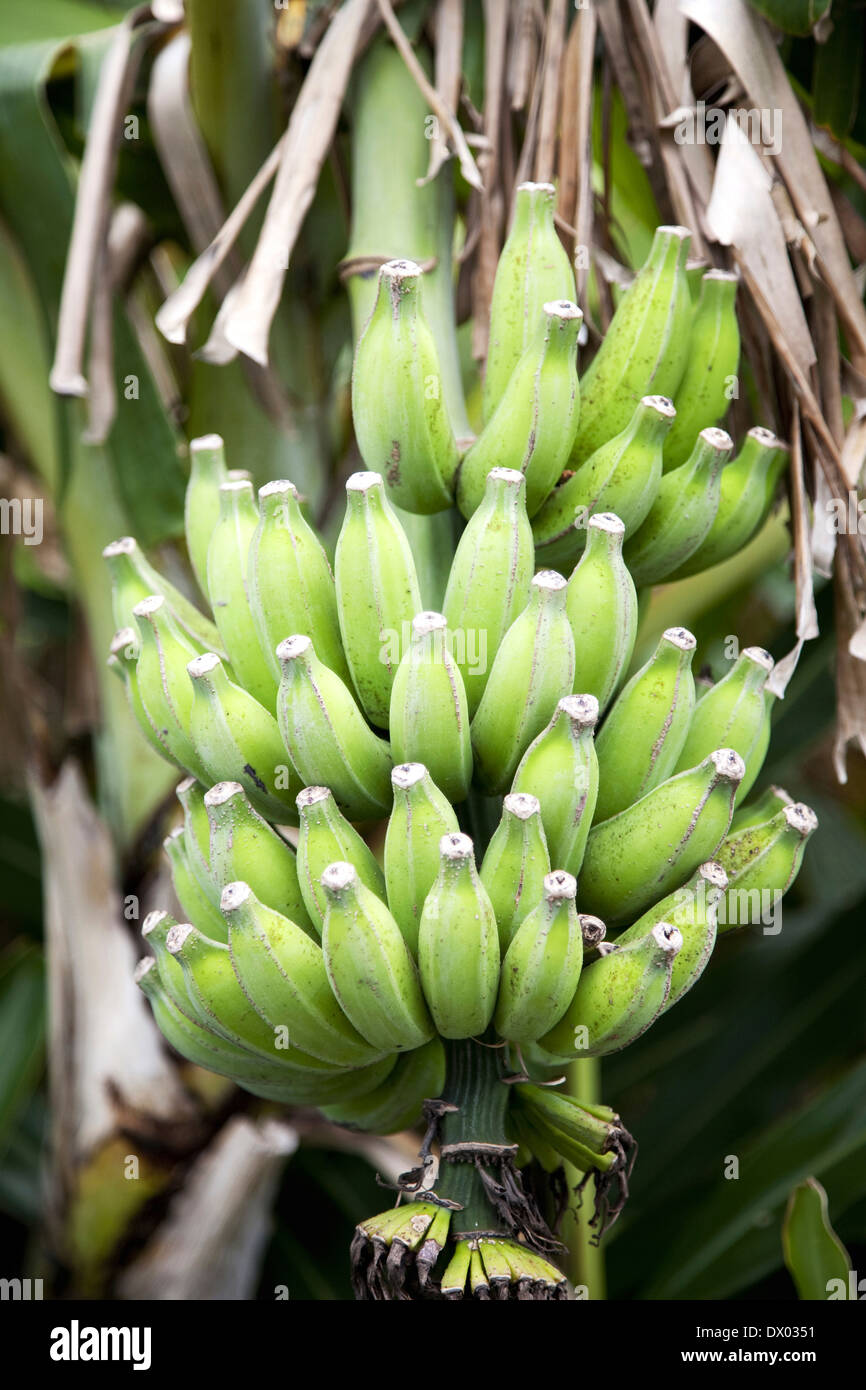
<point>814,1253</point>
<point>22,1030</point>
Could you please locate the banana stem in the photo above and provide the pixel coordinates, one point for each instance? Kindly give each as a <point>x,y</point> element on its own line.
<point>473,1083</point>
<point>585,1260</point>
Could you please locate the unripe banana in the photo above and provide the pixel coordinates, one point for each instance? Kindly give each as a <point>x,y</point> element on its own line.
<point>704,393</point>
<point>133,578</point>
<point>761,809</point>
<point>397,1104</point>
<point>458,944</point>
<point>190,794</point>
<point>601,604</point>
<point>377,592</point>
<point>489,581</point>
<point>398,408</point>
<point>238,740</point>
<point>123,660</point>
<point>244,847</point>
<point>324,837</point>
<point>542,965</point>
<point>655,844</point>
<point>622,476</point>
<point>532,428</point>
<point>561,769</point>
<point>207,471</point>
<point>732,715</point>
<point>693,909</point>
<point>227,561</point>
<point>532,269</point>
<point>195,904</point>
<point>429,719</point>
<point>761,862</point>
<point>682,513</point>
<point>164,685</point>
<point>154,930</point>
<point>369,965</point>
<point>328,739</point>
<point>282,972</point>
<point>619,996</point>
<point>745,497</point>
<point>421,815</point>
<point>534,664</point>
<point>516,864</point>
<point>644,350</point>
<point>596,1129</point>
<point>290,584</point>
<point>643,735</point>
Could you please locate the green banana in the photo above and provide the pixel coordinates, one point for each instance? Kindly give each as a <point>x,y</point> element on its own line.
<point>163,684</point>
<point>541,968</point>
<point>328,738</point>
<point>397,1104</point>
<point>533,268</point>
<point>398,407</point>
<point>227,560</point>
<point>619,996</point>
<point>644,350</point>
<point>123,660</point>
<point>643,735</point>
<point>597,1129</point>
<point>369,965</point>
<point>489,580</point>
<point>532,428</point>
<point>289,580</point>
<point>133,578</point>
<point>761,809</point>
<point>515,864</point>
<point>745,497</point>
<point>429,718</point>
<point>207,471</point>
<point>654,845</point>
<point>154,930</point>
<point>420,816</point>
<point>243,847</point>
<point>601,604</point>
<point>622,476</point>
<point>561,769</point>
<point>191,796</point>
<point>693,910</point>
<point>195,904</point>
<point>377,592</point>
<point>324,837</point>
<point>534,664</point>
<point>761,862</point>
<point>239,741</point>
<point>682,513</point>
<point>458,944</point>
<point>732,715</point>
<point>704,393</point>
<point>282,972</point>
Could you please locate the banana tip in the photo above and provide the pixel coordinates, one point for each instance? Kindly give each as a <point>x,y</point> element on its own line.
<point>406,775</point>
<point>234,895</point>
<point>222,792</point>
<point>522,805</point>
<point>456,846</point>
<point>801,818</point>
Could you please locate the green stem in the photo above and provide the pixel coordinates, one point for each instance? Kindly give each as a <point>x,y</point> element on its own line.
<point>474,1084</point>
<point>586,1261</point>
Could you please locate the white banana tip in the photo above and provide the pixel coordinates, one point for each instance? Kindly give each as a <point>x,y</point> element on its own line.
<point>203,665</point>
<point>365,481</point>
<point>592,929</point>
<point>206,443</point>
<point>564,309</point>
<point>801,818</point>
<point>582,710</point>
<point>425,623</point>
<point>292,647</point>
<point>549,581</point>
<point>713,874</point>
<point>146,607</point>
<point>311,796</point>
<point>185,785</point>
<point>559,886</point>
<point>511,476</point>
<point>177,936</point>
<point>680,232</point>
<point>727,276</point>
<point>680,637</point>
<point>123,638</point>
<point>456,846</point>
<point>759,656</point>
<point>767,438</point>
<point>716,438</point>
<point>522,805</point>
<point>234,895</point>
<point>406,775</point>
<point>126,545</point>
<point>607,521</point>
<point>144,967</point>
<point>729,765</point>
<point>667,937</point>
<point>236,484</point>
<point>662,405</point>
<point>173,836</point>
<point>280,487</point>
<point>401,270</point>
<point>221,793</point>
<point>530,187</point>
<point>339,876</point>
<point>151,921</point>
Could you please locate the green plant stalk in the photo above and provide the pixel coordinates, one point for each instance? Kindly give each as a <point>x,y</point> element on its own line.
<point>585,1260</point>
<point>474,1084</point>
